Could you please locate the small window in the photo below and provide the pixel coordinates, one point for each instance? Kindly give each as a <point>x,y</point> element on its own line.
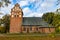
<point>14,15</point>
<point>30,28</point>
<point>24,29</point>
<point>37,29</point>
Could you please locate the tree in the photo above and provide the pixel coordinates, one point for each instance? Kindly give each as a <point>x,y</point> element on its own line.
<point>4,1</point>
<point>0,21</point>
<point>53,19</point>
<point>6,22</point>
<point>48,17</point>
<point>56,20</point>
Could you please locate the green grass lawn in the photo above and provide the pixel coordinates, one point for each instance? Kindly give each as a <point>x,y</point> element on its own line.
<point>30,38</point>
<point>27,37</point>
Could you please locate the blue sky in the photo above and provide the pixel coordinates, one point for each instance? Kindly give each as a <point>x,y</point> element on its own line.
<point>33,8</point>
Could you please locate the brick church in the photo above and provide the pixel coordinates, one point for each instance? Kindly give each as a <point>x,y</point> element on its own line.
<point>19,24</point>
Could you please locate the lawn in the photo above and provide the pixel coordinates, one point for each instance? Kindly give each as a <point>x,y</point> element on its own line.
<point>27,37</point>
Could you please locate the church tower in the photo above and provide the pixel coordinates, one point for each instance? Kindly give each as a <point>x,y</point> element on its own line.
<point>16,19</point>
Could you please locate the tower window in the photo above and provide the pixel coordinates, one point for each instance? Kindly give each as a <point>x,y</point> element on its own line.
<point>14,15</point>
<point>17,15</point>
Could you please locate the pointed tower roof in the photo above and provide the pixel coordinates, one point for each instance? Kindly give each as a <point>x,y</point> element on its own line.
<point>15,7</point>
<point>17,4</point>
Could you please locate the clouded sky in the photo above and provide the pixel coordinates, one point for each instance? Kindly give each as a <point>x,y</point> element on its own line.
<point>33,8</point>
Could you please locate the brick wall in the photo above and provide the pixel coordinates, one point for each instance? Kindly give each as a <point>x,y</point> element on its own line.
<point>15,26</point>
<point>40,29</point>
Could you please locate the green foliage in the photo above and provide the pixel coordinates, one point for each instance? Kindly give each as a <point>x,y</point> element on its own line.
<point>53,19</point>
<point>1,21</point>
<point>58,30</point>
<point>48,17</point>
<point>56,20</point>
<point>28,38</point>
<point>1,4</point>
<point>4,1</point>
<point>52,35</point>
<point>2,29</point>
<point>6,22</point>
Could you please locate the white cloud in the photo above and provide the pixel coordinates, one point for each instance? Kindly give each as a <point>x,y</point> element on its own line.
<point>0,0</point>
<point>10,0</point>
<point>26,0</point>
<point>51,0</point>
<point>1,16</point>
<point>38,7</point>
<point>38,14</point>
<point>31,1</point>
<point>35,14</point>
<point>6,9</point>
<point>23,3</point>
<point>29,13</point>
<point>46,5</point>
<point>26,11</point>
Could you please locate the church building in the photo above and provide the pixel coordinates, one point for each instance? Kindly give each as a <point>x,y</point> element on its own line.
<point>20,24</point>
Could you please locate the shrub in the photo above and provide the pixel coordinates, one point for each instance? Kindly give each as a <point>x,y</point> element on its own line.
<point>2,29</point>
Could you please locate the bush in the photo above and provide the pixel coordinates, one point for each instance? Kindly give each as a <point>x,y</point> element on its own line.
<point>2,29</point>
<point>52,35</point>
<point>57,30</point>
